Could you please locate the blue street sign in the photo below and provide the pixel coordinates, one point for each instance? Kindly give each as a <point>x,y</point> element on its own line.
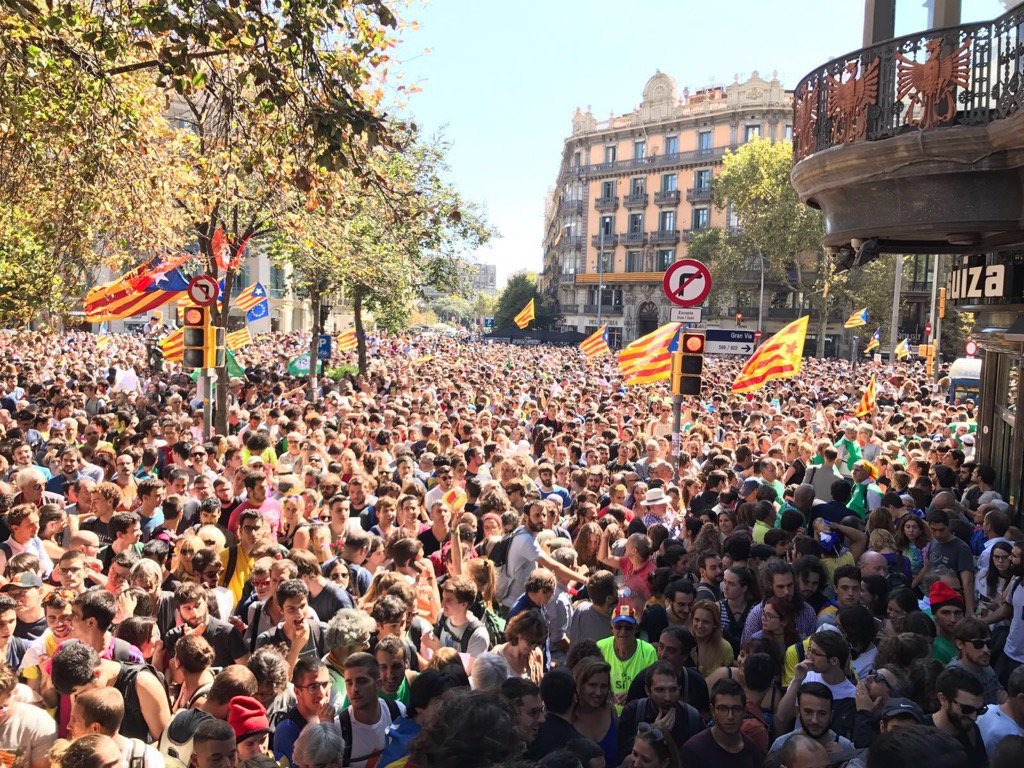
<point>729,342</point>
<point>323,347</point>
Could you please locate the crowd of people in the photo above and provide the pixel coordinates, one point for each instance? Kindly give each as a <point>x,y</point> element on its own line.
<point>487,555</point>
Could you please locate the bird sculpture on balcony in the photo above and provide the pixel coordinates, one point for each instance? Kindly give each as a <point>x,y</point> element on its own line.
<point>849,99</point>
<point>929,85</point>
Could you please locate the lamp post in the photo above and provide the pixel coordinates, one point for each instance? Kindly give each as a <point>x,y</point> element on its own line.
<point>600,272</point>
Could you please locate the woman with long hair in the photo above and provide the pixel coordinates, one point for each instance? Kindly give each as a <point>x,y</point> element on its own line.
<point>778,623</point>
<point>587,544</point>
<point>902,602</point>
<point>712,651</point>
<point>1000,571</point>
<point>726,522</point>
<point>741,593</point>
<point>296,528</point>
<point>883,542</point>
<point>912,536</point>
<point>653,748</point>
<point>593,714</point>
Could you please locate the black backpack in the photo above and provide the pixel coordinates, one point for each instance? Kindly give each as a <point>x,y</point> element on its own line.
<point>499,552</point>
<point>345,721</point>
<point>467,633</point>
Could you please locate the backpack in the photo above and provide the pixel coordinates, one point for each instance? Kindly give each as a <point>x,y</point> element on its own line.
<point>471,626</point>
<point>492,620</point>
<point>345,721</point>
<point>137,759</point>
<point>499,552</point>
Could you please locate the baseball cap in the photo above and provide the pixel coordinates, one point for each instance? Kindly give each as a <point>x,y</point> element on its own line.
<point>898,707</point>
<point>624,613</point>
<point>24,580</point>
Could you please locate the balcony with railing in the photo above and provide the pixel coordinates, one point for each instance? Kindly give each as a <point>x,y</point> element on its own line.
<point>665,237</point>
<point>653,162</point>
<point>606,309</point>
<point>570,207</point>
<point>633,239</point>
<point>635,200</point>
<point>571,242</point>
<point>610,241</point>
<point>914,145</point>
<point>607,204</point>
<point>698,195</point>
<point>689,234</point>
<point>667,197</point>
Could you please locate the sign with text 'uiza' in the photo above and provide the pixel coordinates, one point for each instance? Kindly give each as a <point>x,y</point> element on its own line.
<point>977,280</point>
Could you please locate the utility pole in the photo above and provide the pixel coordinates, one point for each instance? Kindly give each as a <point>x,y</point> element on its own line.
<point>760,307</point>
<point>600,270</point>
<point>894,327</point>
<point>933,312</point>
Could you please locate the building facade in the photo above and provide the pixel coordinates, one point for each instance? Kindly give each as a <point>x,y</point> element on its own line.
<point>633,190</point>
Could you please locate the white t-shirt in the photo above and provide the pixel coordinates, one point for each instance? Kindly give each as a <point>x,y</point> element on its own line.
<point>28,731</point>
<point>140,751</point>
<point>368,740</point>
<point>843,690</point>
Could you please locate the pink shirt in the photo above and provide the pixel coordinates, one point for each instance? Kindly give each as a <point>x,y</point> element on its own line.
<point>636,582</point>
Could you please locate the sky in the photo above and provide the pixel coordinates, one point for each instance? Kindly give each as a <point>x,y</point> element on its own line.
<point>500,80</point>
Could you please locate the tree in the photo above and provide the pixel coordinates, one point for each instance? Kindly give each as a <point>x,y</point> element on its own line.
<point>522,287</point>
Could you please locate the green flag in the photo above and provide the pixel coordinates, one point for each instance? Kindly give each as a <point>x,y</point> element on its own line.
<point>234,369</point>
<point>299,366</point>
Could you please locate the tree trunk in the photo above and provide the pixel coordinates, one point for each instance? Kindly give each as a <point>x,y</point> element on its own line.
<point>221,402</point>
<point>357,312</point>
<point>314,343</point>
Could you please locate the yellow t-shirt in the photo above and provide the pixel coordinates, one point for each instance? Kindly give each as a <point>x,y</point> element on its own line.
<point>243,570</point>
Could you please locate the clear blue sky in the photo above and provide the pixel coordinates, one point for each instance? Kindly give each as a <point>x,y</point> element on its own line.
<point>501,80</point>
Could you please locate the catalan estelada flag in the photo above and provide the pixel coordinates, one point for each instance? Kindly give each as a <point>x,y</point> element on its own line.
<point>874,342</point>
<point>778,358</point>
<point>648,359</point>
<point>857,319</point>
<point>148,286</point>
<point>238,339</point>
<point>596,343</point>
<point>525,316</point>
<point>253,301</point>
<point>902,349</point>
<point>867,400</point>
<point>173,346</point>
<point>347,341</point>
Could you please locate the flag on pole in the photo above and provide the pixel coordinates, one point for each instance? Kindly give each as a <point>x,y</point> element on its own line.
<point>525,316</point>
<point>867,400</point>
<point>173,346</point>
<point>649,359</point>
<point>148,286</point>
<point>299,365</point>
<point>778,358</point>
<point>902,349</point>
<point>597,343</point>
<point>238,339</point>
<point>347,341</point>
<point>874,342</point>
<point>253,301</point>
<point>857,319</point>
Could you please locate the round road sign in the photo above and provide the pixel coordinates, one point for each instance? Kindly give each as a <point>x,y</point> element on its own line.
<point>687,283</point>
<point>971,348</point>
<point>203,290</point>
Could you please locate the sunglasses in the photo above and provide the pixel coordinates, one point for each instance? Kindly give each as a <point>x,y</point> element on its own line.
<point>978,643</point>
<point>970,710</point>
<point>647,728</point>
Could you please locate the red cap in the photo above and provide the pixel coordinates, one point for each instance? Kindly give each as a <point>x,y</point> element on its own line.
<point>624,613</point>
<point>942,594</point>
<point>247,717</point>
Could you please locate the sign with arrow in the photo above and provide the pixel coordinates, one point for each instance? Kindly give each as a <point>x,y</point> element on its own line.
<point>728,342</point>
<point>687,283</point>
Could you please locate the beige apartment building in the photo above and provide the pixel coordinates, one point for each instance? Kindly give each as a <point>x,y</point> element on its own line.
<point>633,190</point>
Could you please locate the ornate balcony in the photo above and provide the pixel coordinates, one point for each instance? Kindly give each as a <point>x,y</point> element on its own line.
<point>570,207</point>
<point>914,144</point>
<point>665,237</point>
<point>670,197</point>
<point>606,309</point>
<point>571,242</point>
<point>638,200</point>
<point>633,238</point>
<point>689,234</point>
<point>698,195</point>
<point>607,204</point>
<point>610,241</point>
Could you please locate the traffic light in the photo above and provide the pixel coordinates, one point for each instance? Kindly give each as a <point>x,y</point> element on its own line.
<point>196,323</point>
<point>688,365</point>
<point>942,303</point>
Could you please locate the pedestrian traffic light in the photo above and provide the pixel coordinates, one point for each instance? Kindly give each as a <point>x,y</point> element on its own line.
<point>196,325</point>
<point>688,365</point>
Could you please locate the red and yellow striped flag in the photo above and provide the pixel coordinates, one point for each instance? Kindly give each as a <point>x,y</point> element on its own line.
<point>525,316</point>
<point>778,358</point>
<point>238,339</point>
<point>347,341</point>
<point>867,400</point>
<point>647,359</point>
<point>596,343</point>
<point>173,346</point>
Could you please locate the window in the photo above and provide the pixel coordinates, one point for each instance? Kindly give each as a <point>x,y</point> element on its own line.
<point>607,262</point>
<point>787,132</point>
<point>667,221</point>
<point>636,186</point>
<point>277,282</point>
<point>636,223</point>
<point>701,218</point>
<point>702,179</point>
<point>750,132</point>
<point>671,145</point>
<point>634,261</point>
<point>614,337</point>
<point>665,259</point>
<point>639,149</point>
<point>607,189</point>
<point>608,225</point>
<point>576,159</point>
<point>609,154</point>
<point>704,141</point>
<point>668,182</point>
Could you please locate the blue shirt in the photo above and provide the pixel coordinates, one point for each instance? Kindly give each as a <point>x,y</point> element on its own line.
<point>286,733</point>
<point>150,524</point>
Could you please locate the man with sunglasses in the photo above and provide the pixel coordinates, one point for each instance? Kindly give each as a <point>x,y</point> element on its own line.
<point>960,704</point>
<point>972,639</point>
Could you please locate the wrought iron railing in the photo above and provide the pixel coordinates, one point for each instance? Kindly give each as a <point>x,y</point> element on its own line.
<point>606,309</point>
<point>698,195</point>
<point>665,236</point>
<point>570,207</point>
<point>693,157</point>
<point>633,238</point>
<point>668,197</point>
<point>635,200</point>
<point>610,241</point>
<point>605,204</point>
<point>970,74</point>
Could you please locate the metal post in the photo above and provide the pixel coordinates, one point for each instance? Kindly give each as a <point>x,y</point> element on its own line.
<point>206,380</point>
<point>933,312</point>
<point>894,328</point>
<point>760,308</point>
<point>853,357</point>
<point>677,417</point>
<point>600,270</point>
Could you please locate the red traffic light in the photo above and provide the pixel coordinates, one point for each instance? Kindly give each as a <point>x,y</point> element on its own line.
<point>693,343</point>
<point>194,316</point>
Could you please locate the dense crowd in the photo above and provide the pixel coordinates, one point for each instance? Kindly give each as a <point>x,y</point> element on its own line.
<point>487,555</point>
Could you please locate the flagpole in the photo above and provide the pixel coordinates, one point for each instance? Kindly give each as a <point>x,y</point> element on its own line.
<point>894,328</point>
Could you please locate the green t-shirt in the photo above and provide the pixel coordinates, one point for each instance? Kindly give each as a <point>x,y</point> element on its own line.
<point>623,672</point>
<point>402,694</point>
<point>943,650</point>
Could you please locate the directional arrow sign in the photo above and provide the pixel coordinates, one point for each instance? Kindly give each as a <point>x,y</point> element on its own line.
<point>687,283</point>
<point>203,290</point>
<point>725,342</point>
